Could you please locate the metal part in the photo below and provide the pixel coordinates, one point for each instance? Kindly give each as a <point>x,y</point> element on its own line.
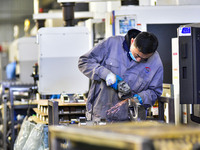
<point>5,99</point>
<point>133,110</point>
<point>53,112</point>
<point>53,117</point>
<point>102,122</point>
<point>40,23</point>
<point>137,112</point>
<point>65,98</point>
<point>82,121</point>
<point>192,116</point>
<point>161,108</point>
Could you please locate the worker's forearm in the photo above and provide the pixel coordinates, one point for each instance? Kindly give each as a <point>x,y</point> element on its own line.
<point>91,69</point>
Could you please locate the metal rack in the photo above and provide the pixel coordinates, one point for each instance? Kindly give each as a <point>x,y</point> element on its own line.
<point>10,105</point>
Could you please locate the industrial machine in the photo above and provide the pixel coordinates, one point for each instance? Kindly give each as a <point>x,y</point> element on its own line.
<point>185,51</point>
<point>94,19</point>
<point>59,50</point>
<point>25,51</point>
<point>189,41</point>
<point>189,49</point>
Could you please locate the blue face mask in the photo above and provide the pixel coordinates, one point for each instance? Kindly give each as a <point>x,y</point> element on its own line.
<point>132,56</point>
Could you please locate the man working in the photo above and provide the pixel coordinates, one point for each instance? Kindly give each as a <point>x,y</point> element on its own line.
<point>132,59</point>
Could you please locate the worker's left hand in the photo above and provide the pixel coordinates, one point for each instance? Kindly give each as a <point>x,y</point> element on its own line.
<point>138,99</point>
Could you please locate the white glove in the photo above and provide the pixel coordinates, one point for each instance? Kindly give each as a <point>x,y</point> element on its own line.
<point>110,79</point>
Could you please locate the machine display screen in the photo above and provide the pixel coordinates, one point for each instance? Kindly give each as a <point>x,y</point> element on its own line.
<point>125,25</point>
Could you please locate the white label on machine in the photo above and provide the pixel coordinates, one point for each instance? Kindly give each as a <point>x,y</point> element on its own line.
<point>184,31</point>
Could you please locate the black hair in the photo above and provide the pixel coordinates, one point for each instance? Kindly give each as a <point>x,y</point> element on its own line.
<point>146,42</point>
<point>132,33</point>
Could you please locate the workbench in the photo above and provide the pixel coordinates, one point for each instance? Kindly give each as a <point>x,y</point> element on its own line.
<point>147,135</point>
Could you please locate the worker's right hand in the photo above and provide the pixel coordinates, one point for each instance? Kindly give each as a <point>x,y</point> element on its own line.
<point>112,80</point>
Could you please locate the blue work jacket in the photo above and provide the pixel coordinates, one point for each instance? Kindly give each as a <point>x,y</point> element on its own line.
<point>144,79</point>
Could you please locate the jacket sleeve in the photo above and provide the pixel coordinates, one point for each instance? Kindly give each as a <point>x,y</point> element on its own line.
<point>90,63</point>
<point>154,90</point>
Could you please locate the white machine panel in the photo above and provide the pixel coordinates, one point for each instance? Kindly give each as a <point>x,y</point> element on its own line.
<point>144,15</point>
<point>59,51</point>
<point>28,49</point>
<point>27,56</point>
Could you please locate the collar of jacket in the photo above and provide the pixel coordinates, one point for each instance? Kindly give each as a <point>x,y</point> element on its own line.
<point>126,48</point>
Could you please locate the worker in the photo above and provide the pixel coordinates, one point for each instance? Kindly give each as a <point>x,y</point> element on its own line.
<point>132,59</point>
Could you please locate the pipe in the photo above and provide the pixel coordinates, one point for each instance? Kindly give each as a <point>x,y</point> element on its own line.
<point>129,2</point>
<point>40,23</point>
<point>68,13</point>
